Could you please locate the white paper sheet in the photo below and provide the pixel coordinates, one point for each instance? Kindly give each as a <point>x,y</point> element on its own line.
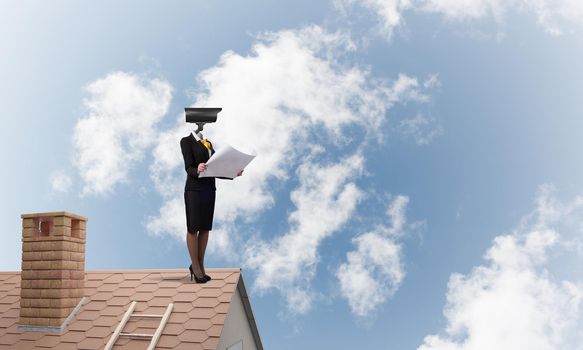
<point>226,162</point>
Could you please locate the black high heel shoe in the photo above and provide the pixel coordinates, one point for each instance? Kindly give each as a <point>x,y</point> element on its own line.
<point>193,276</point>
<point>207,277</point>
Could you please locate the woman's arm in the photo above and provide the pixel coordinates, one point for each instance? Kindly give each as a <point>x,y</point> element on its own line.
<point>189,161</point>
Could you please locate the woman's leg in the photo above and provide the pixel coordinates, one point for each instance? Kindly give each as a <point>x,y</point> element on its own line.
<point>192,244</point>
<point>203,238</point>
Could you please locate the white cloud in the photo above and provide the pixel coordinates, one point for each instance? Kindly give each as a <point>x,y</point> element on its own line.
<point>290,97</point>
<point>122,110</point>
<point>396,213</point>
<point>407,88</point>
<point>388,11</point>
<point>466,9</point>
<point>373,271</point>
<point>555,16</point>
<point>324,201</point>
<point>422,129</point>
<point>516,300</point>
<point>60,181</point>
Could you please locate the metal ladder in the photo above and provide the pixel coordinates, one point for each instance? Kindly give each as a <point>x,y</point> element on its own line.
<point>126,317</point>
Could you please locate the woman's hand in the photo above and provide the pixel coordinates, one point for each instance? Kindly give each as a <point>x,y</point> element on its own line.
<point>240,173</point>
<point>201,167</point>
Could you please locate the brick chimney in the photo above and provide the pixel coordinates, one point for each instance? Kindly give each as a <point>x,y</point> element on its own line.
<point>53,269</point>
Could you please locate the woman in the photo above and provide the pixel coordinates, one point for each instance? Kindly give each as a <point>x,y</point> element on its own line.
<point>199,199</point>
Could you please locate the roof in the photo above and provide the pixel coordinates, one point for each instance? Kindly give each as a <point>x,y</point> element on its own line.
<point>196,321</point>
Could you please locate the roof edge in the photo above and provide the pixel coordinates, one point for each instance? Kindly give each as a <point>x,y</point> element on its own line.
<point>218,269</point>
<point>248,311</point>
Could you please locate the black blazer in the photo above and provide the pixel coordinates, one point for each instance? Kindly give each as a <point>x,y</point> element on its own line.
<point>194,153</point>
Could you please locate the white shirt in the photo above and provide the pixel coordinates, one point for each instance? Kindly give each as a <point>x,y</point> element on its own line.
<point>196,137</point>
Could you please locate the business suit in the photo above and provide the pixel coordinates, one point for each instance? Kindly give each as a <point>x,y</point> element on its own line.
<point>199,192</point>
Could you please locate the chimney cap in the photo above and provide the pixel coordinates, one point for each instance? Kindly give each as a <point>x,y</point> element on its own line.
<point>53,213</point>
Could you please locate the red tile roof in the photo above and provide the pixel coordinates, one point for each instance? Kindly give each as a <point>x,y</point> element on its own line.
<point>196,321</point>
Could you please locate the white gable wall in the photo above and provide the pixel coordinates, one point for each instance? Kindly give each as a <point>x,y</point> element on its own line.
<point>236,326</point>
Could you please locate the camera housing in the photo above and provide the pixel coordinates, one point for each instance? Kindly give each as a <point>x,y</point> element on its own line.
<point>202,115</point>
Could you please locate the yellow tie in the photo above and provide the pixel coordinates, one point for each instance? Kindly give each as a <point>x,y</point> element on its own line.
<point>206,143</point>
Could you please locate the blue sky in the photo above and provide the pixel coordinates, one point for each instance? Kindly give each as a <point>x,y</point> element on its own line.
<point>418,179</point>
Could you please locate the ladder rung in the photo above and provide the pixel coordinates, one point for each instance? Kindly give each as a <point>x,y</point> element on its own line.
<point>146,315</point>
<point>128,314</point>
<point>140,335</point>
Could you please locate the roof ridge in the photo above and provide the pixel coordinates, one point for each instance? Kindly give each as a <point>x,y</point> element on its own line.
<point>218,269</point>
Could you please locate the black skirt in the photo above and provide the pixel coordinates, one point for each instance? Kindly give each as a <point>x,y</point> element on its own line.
<point>200,207</point>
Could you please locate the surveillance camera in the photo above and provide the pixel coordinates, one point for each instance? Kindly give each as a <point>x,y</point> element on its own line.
<point>201,115</point>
